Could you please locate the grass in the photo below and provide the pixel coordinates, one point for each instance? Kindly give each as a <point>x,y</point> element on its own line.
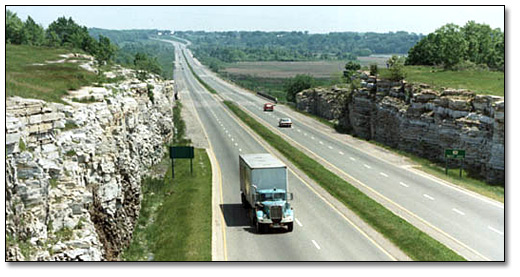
<point>204,84</point>
<point>479,81</point>
<point>275,69</point>
<point>175,219</point>
<point>48,82</point>
<point>412,241</point>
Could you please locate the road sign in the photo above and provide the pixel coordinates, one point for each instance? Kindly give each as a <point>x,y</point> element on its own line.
<point>455,153</point>
<point>458,154</point>
<point>181,152</point>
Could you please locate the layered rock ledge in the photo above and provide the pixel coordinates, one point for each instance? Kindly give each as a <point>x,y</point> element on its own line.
<point>73,172</point>
<point>419,120</point>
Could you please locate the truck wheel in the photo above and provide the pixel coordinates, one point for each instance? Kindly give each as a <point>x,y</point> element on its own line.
<point>243,197</point>
<point>289,227</point>
<point>259,227</point>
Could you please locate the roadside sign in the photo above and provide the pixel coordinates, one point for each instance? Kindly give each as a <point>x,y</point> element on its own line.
<point>182,152</point>
<point>454,153</point>
<point>458,154</point>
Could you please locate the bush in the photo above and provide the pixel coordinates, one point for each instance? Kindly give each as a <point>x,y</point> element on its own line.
<point>297,84</point>
<point>373,69</point>
<point>350,69</point>
<point>396,68</point>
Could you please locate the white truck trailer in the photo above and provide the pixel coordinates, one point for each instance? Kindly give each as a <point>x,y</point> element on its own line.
<point>263,189</point>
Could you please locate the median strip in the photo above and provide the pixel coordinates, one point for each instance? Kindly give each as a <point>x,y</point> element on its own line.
<point>204,84</point>
<point>415,243</point>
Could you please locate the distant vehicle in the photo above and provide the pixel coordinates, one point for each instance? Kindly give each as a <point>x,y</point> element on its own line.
<point>268,107</point>
<point>263,189</point>
<point>285,122</point>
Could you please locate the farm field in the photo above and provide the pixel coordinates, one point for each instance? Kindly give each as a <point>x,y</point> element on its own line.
<point>317,69</point>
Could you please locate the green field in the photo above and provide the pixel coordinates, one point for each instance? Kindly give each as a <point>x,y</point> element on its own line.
<point>479,81</point>
<point>264,76</point>
<point>416,244</point>
<point>29,76</point>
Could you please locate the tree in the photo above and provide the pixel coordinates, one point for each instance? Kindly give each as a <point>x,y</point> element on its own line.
<point>351,68</point>
<point>33,34</point>
<point>13,28</point>
<point>298,83</point>
<point>452,44</point>
<point>396,68</point>
<point>105,50</point>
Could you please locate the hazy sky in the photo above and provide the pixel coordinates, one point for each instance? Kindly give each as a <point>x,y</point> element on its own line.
<point>313,19</point>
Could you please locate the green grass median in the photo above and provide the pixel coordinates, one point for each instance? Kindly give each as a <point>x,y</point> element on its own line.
<point>208,87</point>
<point>412,241</point>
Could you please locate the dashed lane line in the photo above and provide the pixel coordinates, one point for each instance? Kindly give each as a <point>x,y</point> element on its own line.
<point>316,244</point>
<point>458,211</point>
<point>429,197</point>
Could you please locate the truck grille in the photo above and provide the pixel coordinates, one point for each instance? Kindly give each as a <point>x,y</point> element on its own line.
<point>276,214</point>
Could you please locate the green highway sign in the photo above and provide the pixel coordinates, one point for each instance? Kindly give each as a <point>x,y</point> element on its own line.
<point>455,153</point>
<point>181,152</point>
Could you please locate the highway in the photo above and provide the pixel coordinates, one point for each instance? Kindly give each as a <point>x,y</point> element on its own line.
<point>320,233</point>
<point>472,224</point>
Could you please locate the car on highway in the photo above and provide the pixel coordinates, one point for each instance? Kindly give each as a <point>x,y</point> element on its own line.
<point>268,107</point>
<point>285,122</point>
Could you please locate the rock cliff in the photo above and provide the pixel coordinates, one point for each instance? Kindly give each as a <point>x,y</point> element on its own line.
<point>73,172</point>
<point>418,119</point>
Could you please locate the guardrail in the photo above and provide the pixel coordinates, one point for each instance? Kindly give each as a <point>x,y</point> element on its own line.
<point>269,97</point>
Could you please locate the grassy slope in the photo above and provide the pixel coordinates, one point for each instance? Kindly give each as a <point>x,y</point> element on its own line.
<point>48,82</point>
<point>412,241</point>
<point>175,219</point>
<point>481,82</point>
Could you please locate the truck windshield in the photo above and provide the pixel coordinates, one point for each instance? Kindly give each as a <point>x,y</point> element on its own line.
<point>272,196</point>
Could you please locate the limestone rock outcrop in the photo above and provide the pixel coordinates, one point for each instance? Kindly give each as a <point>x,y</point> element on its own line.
<point>419,119</point>
<point>73,172</point>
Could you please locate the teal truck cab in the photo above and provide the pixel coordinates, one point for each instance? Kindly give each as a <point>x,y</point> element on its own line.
<point>263,190</point>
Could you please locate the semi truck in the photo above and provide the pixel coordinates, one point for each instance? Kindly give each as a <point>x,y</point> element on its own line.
<point>263,190</point>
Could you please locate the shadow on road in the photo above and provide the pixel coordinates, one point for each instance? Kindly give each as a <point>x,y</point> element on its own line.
<point>235,215</point>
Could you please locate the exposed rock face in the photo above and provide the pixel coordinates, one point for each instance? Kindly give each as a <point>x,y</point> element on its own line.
<point>419,120</point>
<point>73,172</point>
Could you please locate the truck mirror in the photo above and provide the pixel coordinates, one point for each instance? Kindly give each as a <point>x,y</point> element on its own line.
<point>290,196</point>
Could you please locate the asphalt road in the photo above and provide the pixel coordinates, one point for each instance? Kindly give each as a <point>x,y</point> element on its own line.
<point>320,232</point>
<point>470,221</point>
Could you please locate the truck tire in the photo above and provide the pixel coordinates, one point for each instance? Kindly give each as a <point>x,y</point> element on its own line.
<point>290,226</point>
<point>259,227</point>
<point>243,198</point>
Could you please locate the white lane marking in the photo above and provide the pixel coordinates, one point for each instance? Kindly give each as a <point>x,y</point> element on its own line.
<point>232,139</point>
<point>316,244</point>
<point>297,221</point>
<point>352,159</point>
<point>341,153</point>
<point>458,211</point>
<point>321,142</point>
<point>496,231</point>
<point>366,165</point>
<point>239,149</point>
<point>429,197</point>
<point>312,137</point>
<point>330,147</point>
<point>383,174</point>
<point>403,184</point>
<point>225,130</point>
<point>299,131</point>
<point>236,144</point>
<point>305,134</point>
<point>229,135</point>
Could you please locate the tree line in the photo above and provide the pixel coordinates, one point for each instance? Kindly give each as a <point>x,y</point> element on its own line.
<point>234,46</point>
<point>452,46</point>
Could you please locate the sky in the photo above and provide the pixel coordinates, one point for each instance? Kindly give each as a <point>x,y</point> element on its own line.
<point>315,19</point>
